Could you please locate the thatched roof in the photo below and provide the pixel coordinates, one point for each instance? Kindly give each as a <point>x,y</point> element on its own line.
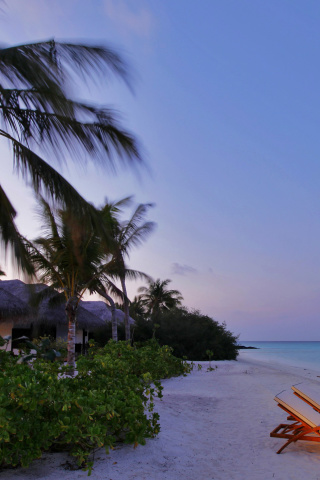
<point>56,315</point>
<point>22,290</point>
<point>103,311</point>
<point>11,307</point>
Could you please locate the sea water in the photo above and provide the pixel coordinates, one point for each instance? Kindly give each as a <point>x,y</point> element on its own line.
<point>298,354</point>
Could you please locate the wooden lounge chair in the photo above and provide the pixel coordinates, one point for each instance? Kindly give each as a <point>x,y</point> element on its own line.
<point>309,393</point>
<point>305,421</point>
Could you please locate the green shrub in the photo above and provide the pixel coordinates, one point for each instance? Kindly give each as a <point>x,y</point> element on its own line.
<point>190,335</point>
<point>102,335</point>
<point>110,399</point>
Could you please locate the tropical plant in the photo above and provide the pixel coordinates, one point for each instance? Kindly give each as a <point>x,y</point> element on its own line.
<point>110,400</point>
<point>69,258</point>
<point>39,348</point>
<point>156,297</point>
<point>126,235</point>
<point>190,334</point>
<point>102,289</point>
<point>38,116</point>
<point>137,308</point>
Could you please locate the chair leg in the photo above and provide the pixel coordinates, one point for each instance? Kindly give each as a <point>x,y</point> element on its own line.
<point>294,438</point>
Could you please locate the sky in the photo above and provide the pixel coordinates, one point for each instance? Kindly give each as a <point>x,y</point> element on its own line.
<point>226,105</point>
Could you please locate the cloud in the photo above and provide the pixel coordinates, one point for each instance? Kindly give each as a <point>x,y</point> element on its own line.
<point>182,269</point>
<point>132,16</point>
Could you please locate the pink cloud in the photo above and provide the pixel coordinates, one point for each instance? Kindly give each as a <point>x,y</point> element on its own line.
<point>130,16</point>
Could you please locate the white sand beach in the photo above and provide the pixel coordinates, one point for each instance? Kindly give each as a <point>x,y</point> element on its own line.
<point>214,425</point>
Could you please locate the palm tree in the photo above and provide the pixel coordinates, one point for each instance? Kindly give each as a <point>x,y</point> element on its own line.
<point>157,298</point>
<point>126,235</point>
<point>69,258</point>
<point>38,116</point>
<point>137,308</point>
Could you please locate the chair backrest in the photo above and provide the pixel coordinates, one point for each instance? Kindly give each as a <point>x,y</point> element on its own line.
<point>298,408</point>
<point>310,393</point>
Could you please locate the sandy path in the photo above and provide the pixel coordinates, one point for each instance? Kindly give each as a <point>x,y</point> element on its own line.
<point>214,425</point>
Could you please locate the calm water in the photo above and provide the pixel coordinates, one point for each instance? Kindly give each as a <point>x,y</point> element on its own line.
<point>299,354</point>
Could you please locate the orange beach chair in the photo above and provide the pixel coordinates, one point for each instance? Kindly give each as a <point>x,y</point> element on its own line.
<point>305,420</point>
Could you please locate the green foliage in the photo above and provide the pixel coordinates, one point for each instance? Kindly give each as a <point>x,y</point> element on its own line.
<point>157,298</point>
<point>190,334</point>
<point>42,347</point>
<point>111,399</point>
<point>38,117</point>
<point>102,335</point>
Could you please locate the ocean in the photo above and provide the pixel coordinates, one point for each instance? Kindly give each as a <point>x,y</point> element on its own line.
<point>298,354</point>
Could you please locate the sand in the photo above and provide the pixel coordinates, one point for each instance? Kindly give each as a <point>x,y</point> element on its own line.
<point>214,425</point>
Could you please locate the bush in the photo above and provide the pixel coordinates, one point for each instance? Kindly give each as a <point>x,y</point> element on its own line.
<point>102,335</point>
<point>110,399</point>
<point>190,334</point>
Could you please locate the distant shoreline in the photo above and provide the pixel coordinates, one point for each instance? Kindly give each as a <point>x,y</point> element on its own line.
<point>242,347</point>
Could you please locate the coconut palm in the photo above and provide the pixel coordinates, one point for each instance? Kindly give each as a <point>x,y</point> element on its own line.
<point>69,258</point>
<point>157,298</point>
<point>38,117</point>
<point>126,235</point>
<point>137,308</point>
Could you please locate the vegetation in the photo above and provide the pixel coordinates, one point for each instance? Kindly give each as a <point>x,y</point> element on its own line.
<point>190,334</point>
<point>125,235</point>
<point>38,116</point>
<point>67,258</point>
<point>43,406</point>
<point>111,399</point>
<point>74,257</point>
<point>83,248</point>
<point>156,298</point>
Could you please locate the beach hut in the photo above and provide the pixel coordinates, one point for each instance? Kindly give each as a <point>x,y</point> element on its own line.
<point>45,319</point>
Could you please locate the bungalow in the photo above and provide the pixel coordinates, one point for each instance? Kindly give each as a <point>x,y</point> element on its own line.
<point>18,317</point>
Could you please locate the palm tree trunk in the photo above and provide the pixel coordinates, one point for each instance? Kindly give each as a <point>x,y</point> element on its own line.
<point>113,313</point>
<point>71,308</point>
<point>125,309</point>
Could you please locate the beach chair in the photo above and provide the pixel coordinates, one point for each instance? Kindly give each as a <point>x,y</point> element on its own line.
<point>309,393</point>
<point>305,420</point>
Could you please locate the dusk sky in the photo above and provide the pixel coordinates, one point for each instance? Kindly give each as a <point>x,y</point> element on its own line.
<point>226,104</point>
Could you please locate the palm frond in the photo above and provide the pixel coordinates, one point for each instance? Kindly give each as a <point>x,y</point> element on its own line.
<point>44,178</point>
<point>46,269</point>
<point>137,275</point>
<point>102,138</point>
<point>44,64</point>
<point>105,283</point>
<point>10,236</point>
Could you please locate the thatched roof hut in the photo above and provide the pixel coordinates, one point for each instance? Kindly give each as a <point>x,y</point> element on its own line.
<point>46,313</point>
<point>15,302</point>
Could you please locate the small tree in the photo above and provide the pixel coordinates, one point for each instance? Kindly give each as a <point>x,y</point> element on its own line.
<point>126,235</point>
<point>157,298</point>
<point>68,258</point>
